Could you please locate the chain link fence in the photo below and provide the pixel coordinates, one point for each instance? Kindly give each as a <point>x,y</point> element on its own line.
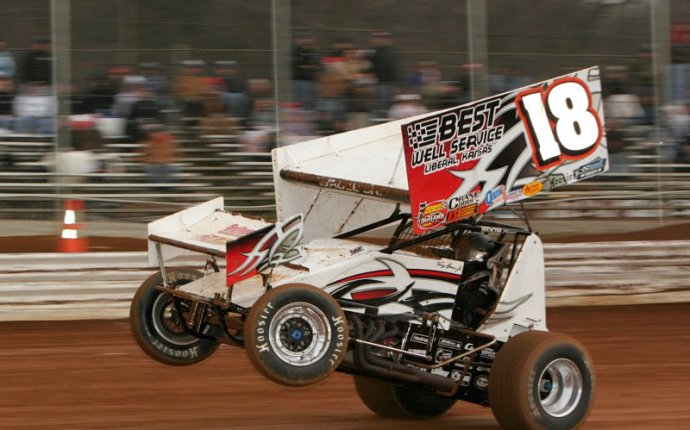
<point>140,106</point>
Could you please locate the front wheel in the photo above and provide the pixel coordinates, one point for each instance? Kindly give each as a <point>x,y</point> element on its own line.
<point>158,327</point>
<point>541,381</point>
<point>393,401</point>
<point>296,334</point>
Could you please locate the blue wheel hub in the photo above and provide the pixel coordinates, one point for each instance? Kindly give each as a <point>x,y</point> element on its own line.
<point>296,334</point>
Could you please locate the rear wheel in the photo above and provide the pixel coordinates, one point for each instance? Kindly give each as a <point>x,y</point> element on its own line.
<point>158,326</point>
<point>296,334</point>
<point>541,380</point>
<point>393,401</point>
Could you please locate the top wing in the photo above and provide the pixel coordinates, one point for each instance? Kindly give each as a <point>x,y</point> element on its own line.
<point>450,164</point>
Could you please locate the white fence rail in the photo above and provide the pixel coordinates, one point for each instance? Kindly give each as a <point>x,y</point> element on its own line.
<point>101,285</point>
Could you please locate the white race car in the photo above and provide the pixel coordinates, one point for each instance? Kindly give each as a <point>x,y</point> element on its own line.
<point>422,301</point>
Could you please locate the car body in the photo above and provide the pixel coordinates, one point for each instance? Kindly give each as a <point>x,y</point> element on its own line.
<point>386,269</point>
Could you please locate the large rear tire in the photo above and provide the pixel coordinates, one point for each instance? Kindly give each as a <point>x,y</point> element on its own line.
<point>296,334</point>
<point>541,381</point>
<point>159,329</point>
<point>393,401</point>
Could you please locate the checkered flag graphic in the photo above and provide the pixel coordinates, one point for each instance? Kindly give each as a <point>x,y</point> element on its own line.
<point>422,133</point>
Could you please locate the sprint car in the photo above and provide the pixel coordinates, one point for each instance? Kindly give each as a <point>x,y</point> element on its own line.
<point>390,272</point>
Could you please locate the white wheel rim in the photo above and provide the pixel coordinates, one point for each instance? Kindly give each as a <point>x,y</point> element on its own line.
<point>299,334</point>
<point>560,387</point>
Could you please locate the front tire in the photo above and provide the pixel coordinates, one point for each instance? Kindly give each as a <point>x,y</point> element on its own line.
<point>541,381</point>
<point>393,401</point>
<point>159,329</point>
<point>296,334</point>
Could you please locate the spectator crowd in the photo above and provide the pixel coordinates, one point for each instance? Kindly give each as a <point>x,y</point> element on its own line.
<point>333,89</point>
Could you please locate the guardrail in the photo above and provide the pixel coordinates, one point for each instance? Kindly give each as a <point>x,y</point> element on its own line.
<point>217,165</point>
<point>101,285</point>
<point>209,167</point>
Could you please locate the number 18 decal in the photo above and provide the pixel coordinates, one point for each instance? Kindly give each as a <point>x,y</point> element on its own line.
<point>561,123</point>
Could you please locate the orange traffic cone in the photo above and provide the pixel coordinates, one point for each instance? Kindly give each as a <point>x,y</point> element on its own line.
<point>70,240</point>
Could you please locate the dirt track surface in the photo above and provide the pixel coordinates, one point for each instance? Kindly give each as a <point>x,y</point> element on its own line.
<point>88,375</point>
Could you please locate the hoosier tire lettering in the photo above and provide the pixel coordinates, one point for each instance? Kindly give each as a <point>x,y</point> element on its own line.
<point>261,339</point>
<point>192,352</point>
<point>296,334</point>
<point>340,337</point>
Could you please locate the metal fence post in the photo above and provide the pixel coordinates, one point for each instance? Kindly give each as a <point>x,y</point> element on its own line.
<point>660,26</point>
<point>60,11</point>
<point>282,54</point>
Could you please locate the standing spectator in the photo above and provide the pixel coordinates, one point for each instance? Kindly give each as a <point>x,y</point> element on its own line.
<point>156,81</point>
<point>34,108</point>
<point>159,154</point>
<point>640,78</point>
<point>130,93</point>
<point>39,62</point>
<point>7,72</point>
<point>677,130</point>
<point>234,89</point>
<point>261,131</point>
<point>360,89</point>
<point>384,66</point>
<point>189,88</point>
<point>331,106</point>
<point>406,106</point>
<point>144,111</point>
<point>624,113</point>
<point>6,97</point>
<point>8,68</point>
<point>306,65</point>
<point>100,93</point>
<point>429,84</point>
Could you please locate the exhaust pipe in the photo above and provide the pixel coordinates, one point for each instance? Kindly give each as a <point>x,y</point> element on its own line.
<point>364,359</point>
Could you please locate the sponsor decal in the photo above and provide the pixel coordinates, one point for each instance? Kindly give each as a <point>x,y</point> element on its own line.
<point>458,136</point>
<point>594,168</point>
<point>450,265</point>
<point>270,246</point>
<point>495,196</point>
<point>514,195</point>
<point>443,355</point>
<point>439,371</point>
<point>450,343</point>
<point>488,145</point>
<point>456,374</point>
<point>462,213</point>
<point>481,382</point>
<point>432,214</point>
<point>561,122</point>
<point>532,188</point>
<point>235,230</point>
<point>211,238</point>
<point>555,181</point>
<point>488,353</point>
<point>419,338</point>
